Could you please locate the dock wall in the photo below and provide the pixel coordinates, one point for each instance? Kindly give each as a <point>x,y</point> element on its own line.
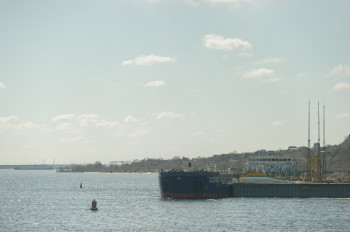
<point>291,190</point>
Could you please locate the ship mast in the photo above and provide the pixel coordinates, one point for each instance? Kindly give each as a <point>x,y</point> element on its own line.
<point>319,143</point>
<point>308,150</point>
<point>324,143</point>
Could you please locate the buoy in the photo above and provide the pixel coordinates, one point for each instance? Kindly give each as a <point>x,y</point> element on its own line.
<point>81,184</point>
<point>94,205</point>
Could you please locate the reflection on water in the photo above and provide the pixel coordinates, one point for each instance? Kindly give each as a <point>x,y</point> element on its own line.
<point>47,201</point>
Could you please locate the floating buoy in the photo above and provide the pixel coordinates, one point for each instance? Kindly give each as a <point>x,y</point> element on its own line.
<point>94,205</point>
<point>81,184</point>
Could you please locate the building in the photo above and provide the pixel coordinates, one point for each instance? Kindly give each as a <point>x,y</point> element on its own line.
<point>278,165</point>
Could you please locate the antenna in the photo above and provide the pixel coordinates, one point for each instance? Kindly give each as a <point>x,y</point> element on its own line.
<point>324,142</point>
<point>324,125</point>
<point>308,141</point>
<point>319,142</point>
<point>318,109</point>
<point>308,144</point>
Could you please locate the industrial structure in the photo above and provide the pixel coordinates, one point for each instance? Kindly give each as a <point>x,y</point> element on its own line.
<point>276,165</point>
<point>316,160</point>
<point>267,174</point>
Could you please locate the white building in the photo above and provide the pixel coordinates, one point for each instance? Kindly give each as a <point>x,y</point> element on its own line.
<point>272,165</point>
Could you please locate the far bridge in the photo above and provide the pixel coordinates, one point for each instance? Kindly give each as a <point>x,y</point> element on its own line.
<point>118,163</point>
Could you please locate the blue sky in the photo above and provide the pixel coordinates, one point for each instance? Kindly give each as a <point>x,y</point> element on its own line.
<point>82,81</point>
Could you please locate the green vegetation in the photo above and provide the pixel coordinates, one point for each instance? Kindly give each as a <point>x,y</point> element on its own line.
<point>338,161</point>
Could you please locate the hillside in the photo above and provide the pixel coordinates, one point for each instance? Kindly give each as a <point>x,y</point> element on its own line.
<point>338,160</point>
<point>341,158</point>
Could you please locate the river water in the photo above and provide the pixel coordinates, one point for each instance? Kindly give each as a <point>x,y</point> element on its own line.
<point>50,201</point>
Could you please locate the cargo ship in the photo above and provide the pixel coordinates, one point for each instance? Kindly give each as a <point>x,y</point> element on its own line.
<point>188,184</point>
<point>203,184</point>
<point>209,184</point>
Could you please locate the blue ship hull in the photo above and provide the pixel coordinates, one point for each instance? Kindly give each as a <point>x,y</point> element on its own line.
<point>193,185</point>
<point>207,185</point>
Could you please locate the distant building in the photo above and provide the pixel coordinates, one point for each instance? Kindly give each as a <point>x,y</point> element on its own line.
<point>259,152</point>
<point>280,165</point>
<point>118,163</point>
<point>232,171</point>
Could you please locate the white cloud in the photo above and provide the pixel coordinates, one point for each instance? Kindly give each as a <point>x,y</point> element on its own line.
<point>74,140</point>
<point>170,115</point>
<point>227,1</point>
<point>155,84</point>
<point>8,122</point>
<point>272,80</point>
<point>148,60</point>
<point>302,75</point>
<point>2,85</point>
<point>197,2</point>
<point>84,120</point>
<point>343,115</point>
<point>137,133</point>
<point>63,117</point>
<point>218,42</point>
<point>8,119</point>
<point>340,70</point>
<point>341,86</point>
<point>192,2</point>
<point>268,61</point>
<point>198,133</point>
<point>131,119</point>
<point>278,123</point>
<point>87,119</point>
<point>29,125</point>
<point>245,54</point>
<point>258,73</point>
<point>105,123</point>
<point>65,126</point>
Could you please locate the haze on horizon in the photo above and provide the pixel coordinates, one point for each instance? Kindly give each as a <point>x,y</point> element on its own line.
<point>121,80</point>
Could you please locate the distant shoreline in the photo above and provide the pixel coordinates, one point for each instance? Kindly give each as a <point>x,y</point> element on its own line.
<point>147,173</point>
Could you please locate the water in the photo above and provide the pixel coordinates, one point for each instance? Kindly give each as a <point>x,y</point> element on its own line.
<point>49,201</point>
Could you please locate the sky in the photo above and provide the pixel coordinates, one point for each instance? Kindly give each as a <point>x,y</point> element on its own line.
<point>102,80</point>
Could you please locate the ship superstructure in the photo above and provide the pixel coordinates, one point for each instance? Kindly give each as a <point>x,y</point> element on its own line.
<point>189,184</point>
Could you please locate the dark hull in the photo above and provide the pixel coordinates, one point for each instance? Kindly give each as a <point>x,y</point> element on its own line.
<point>205,185</point>
<point>195,196</point>
<point>193,185</point>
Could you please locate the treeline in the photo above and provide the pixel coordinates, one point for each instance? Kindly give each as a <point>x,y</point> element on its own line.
<point>338,160</point>
<point>223,162</point>
<point>95,167</point>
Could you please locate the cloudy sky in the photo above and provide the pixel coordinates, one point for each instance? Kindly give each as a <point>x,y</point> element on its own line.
<point>82,81</point>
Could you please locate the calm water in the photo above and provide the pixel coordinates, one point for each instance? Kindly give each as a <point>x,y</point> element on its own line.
<point>49,201</point>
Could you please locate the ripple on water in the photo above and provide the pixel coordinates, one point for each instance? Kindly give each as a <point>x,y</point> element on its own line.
<point>48,201</point>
